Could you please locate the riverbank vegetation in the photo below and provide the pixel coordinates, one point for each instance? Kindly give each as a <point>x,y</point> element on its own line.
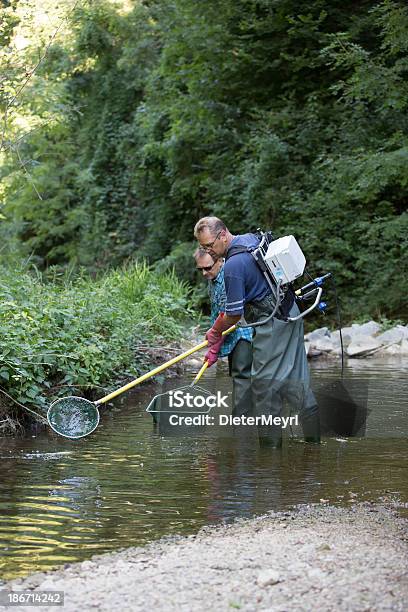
<point>68,336</point>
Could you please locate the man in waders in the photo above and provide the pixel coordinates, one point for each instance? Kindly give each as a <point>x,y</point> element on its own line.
<point>238,344</point>
<point>279,364</point>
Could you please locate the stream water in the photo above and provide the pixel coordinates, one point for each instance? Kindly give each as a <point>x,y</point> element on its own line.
<point>126,484</point>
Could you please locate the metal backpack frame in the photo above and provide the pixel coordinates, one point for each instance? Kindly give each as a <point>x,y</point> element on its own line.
<point>280,294</point>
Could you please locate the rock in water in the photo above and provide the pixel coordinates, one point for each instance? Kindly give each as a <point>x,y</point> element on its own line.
<point>369,329</point>
<point>362,345</point>
<point>327,345</point>
<point>396,334</point>
<point>317,333</point>
<point>404,347</point>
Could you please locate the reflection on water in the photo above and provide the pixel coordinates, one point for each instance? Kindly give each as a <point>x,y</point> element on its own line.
<point>64,500</point>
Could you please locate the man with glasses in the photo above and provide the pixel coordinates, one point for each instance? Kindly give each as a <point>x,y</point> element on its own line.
<point>238,344</point>
<point>279,364</point>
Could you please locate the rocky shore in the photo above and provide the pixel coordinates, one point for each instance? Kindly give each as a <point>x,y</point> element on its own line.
<point>314,558</point>
<point>359,340</point>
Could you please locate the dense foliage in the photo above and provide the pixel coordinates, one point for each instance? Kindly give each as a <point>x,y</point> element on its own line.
<point>62,336</point>
<point>145,115</point>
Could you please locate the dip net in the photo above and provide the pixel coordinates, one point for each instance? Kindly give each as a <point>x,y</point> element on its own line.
<point>73,417</point>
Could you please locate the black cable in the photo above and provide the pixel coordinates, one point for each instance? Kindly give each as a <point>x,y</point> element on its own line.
<point>339,323</point>
<point>338,311</point>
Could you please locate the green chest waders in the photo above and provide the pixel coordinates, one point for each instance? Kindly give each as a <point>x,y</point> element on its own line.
<point>240,363</point>
<point>280,372</point>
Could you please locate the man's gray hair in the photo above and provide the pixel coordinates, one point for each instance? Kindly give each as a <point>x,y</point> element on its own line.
<point>200,252</point>
<point>213,224</point>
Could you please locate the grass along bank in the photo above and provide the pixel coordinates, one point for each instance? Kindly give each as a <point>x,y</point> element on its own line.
<point>78,335</point>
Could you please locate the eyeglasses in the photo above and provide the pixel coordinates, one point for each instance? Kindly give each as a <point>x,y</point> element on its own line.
<point>207,247</point>
<point>206,268</point>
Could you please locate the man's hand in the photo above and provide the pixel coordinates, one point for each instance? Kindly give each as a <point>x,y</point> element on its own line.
<point>215,337</point>
<point>215,340</point>
<point>212,354</point>
<point>222,323</point>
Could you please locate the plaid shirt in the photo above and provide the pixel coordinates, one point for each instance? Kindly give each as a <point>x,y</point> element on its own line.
<point>216,291</point>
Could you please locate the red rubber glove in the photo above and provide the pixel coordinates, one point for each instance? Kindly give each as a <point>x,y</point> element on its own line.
<point>212,354</point>
<point>215,333</point>
<point>213,336</point>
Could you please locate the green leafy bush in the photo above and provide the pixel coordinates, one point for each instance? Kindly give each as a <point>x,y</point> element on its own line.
<point>79,335</point>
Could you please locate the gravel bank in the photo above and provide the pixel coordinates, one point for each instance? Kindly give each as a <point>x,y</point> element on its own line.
<point>317,558</point>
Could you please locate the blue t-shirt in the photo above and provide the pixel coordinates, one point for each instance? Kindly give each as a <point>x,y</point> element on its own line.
<point>244,281</point>
<point>216,290</point>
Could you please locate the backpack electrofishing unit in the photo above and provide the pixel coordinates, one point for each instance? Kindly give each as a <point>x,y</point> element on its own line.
<point>282,262</point>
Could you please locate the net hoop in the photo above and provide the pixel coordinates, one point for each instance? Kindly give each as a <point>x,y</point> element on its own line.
<point>79,400</point>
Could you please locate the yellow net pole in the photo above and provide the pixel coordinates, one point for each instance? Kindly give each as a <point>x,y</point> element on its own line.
<point>159,369</point>
<point>201,372</point>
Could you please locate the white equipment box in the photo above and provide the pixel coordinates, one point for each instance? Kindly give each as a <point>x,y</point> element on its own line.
<point>285,259</point>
